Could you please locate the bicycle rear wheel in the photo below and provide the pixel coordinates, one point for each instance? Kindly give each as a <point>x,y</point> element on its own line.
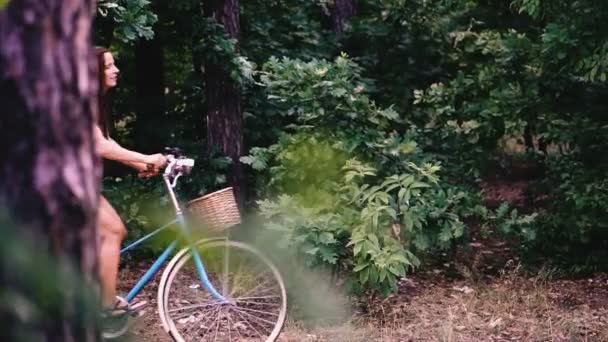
<point>257,300</point>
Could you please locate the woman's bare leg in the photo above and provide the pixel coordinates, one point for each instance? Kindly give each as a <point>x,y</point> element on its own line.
<point>112,232</point>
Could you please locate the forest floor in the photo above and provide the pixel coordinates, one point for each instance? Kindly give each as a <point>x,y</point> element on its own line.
<point>483,295</point>
<point>510,305</point>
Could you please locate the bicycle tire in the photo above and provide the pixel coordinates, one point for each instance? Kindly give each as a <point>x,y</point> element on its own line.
<point>239,309</point>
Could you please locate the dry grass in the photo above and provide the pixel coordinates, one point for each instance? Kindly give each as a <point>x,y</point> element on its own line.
<point>514,307</point>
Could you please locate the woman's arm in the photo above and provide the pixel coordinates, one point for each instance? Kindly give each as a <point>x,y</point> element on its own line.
<point>109,149</point>
<point>136,165</point>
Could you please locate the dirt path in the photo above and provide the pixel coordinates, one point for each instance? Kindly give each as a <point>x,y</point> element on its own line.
<point>510,306</point>
<point>483,295</point>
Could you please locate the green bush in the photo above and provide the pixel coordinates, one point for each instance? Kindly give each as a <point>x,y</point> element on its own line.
<point>352,190</point>
<point>573,226</point>
<point>528,71</point>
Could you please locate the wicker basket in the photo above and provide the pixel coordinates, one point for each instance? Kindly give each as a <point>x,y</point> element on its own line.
<point>217,210</point>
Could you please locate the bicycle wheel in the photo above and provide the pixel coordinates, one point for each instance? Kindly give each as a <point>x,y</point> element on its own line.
<point>257,305</point>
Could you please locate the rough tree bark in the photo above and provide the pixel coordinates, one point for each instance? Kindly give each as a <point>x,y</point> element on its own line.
<point>341,12</point>
<point>224,115</point>
<point>49,172</point>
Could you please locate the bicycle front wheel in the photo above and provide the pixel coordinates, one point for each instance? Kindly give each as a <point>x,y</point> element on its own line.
<point>257,300</point>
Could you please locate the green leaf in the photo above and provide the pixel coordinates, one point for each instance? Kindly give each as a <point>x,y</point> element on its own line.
<point>391,212</point>
<point>502,210</point>
<point>401,195</point>
<point>409,179</point>
<point>408,223</point>
<point>328,255</point>
<point>398,270</point>
<point>399,258</point>
<point>364,275</point>
<point>374,240</point>
<point>360,267</point>
<point>375,216</point>
<point>312,250</point>
<point>357,249</point>
<point>373,274</point>
<point>445,234</point>
<point>392,187</point>
<point>419,185</point>
<point>133,210</point>
<point>327,238</point>
<point>382,275</point>
<point>422,242</point>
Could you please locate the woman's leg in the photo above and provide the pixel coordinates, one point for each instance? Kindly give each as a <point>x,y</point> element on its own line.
<point>112,232</point>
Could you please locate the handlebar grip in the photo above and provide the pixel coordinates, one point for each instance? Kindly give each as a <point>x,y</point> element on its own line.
<point>175,151</point>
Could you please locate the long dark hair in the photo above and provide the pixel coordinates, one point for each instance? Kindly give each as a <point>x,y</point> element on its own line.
<point>104,100</point>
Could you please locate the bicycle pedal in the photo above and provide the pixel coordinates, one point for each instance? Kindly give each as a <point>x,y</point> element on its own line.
<point>135,308</point>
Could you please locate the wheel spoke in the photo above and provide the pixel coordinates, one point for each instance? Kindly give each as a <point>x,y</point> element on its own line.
<point>257,297</point>
<point>256,317</point>
<point>195,306</point>
<point>217,327</point>
<point>189,314</point>
<point>236,326</point>
<point>256,303</point>
<point>202,324</point>
<point>225,285</point>
<point>237,278</point>
<point>243,276</point>
<point>217,316</point>
<point>248,323</point>
<point>259,311</point>
<point>229,324</point>
<point>255,288</point>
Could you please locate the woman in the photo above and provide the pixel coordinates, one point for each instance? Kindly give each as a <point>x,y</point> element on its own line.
<point>111,229</point>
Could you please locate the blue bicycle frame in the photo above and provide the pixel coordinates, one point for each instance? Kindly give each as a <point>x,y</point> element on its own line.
<point>181,223</point>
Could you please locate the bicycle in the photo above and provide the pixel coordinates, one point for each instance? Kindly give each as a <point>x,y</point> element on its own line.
<point>235,294</point>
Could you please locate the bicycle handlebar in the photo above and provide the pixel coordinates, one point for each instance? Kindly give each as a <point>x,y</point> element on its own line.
<point>174,151</point>
<point>177,166</point>
<point>182,166</point>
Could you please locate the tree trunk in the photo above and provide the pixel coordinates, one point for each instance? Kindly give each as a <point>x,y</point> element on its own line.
<point>150,133</point>
<point>341,12</point>
<point>49,172</point>
<point>224,116</point>
<point>529,138</point>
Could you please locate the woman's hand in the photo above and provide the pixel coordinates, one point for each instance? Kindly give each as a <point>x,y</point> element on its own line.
<point>157,161</point>
<point>144,170</point>
<point>154,163</point>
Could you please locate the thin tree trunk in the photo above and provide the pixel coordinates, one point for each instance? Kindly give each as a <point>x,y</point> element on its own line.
<point>341,13</point>
<point>224,115</point>
<point>49,172</point>
<point>529,138</point>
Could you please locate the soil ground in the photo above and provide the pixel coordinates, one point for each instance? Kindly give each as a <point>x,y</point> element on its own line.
<point>483,295</point>
<point>432,306</point>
